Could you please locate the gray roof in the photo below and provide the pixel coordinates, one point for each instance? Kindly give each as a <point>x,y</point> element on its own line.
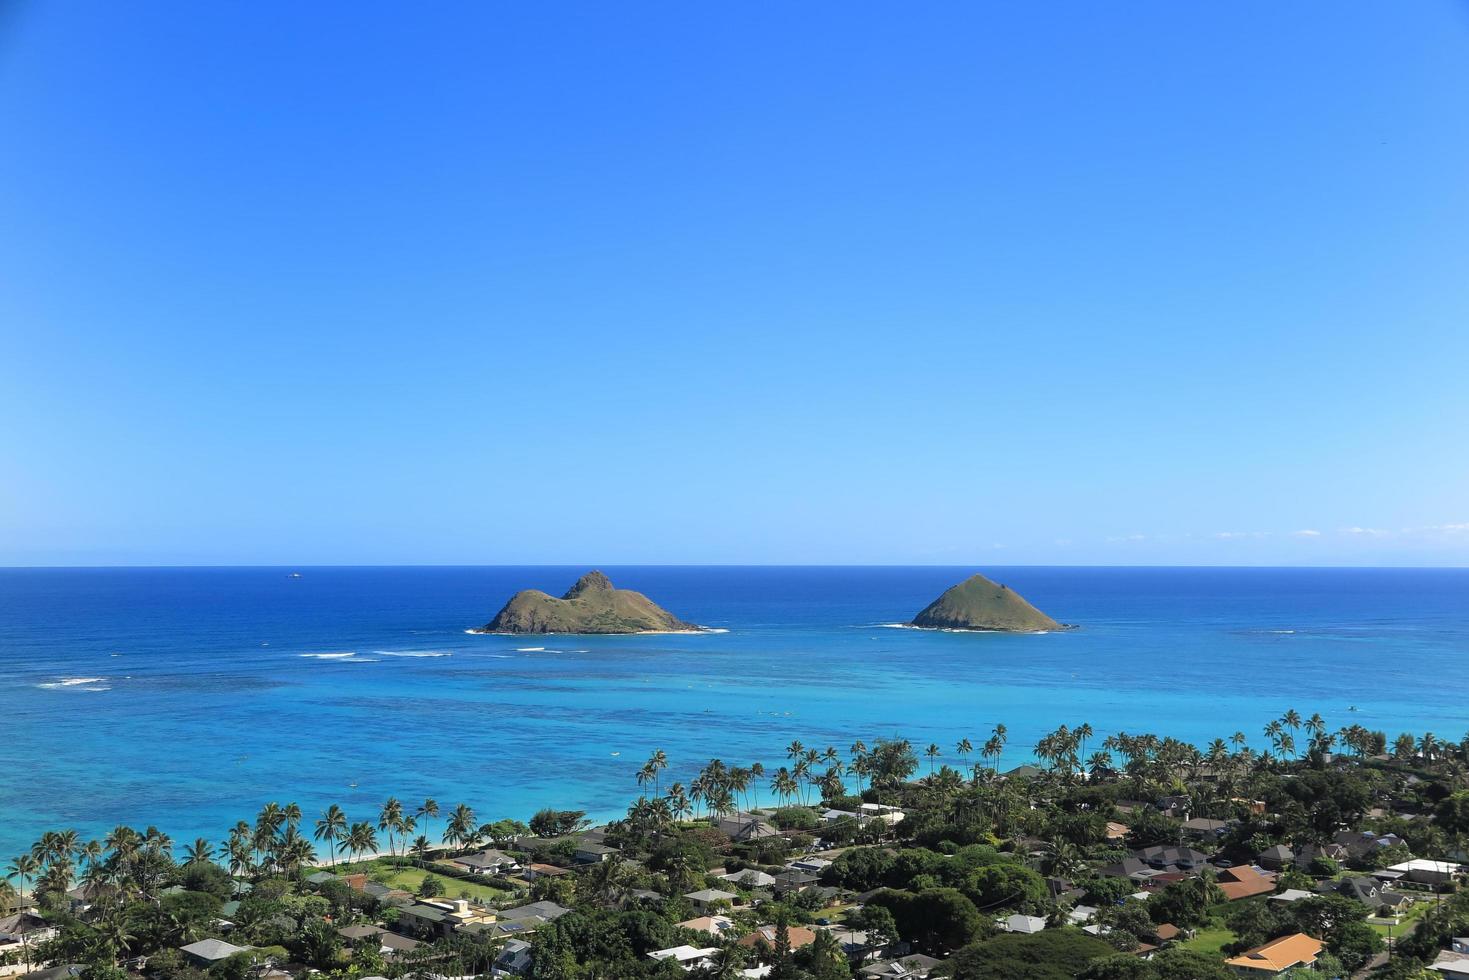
<point>212,949</point>
<point>549,911</point>
<point>711,895</point>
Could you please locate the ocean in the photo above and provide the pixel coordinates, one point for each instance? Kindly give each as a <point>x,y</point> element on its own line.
<point>186,698</point>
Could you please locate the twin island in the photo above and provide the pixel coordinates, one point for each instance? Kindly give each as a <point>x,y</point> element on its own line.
<point>594,606</point>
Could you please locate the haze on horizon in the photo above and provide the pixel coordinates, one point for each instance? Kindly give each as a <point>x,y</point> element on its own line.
<point>1058,283</point>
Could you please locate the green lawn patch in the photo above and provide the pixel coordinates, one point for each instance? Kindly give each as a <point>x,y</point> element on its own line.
<point>1210,940</point>
<point>409,879</point>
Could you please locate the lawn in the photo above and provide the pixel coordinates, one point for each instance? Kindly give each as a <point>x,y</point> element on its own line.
<point>409,879</point>
<point>1404,924</point>
<point>1210,939</point>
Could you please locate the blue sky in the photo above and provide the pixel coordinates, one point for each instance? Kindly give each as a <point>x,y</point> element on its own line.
<point>668,282</point>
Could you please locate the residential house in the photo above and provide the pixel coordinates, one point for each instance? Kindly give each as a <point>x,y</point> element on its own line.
<point>764,936</point>
<point>810,865</point>
<point>914,967</point>
<point>1426,872</point>
<point>880,811</point>
<point>1163,858</point>
<point>24,929</point>
<point>513,960</point>
<point>593,853</point>
<point>1175,806</point>
<point>490,862</point>
<point>1025,924</point>
<point>1081,915</point>
<point>708,900</point>
<point>1277,956</point>
<point>749,878</point>
<point>543,911</point>
<point>1276,858</point>
<point>207,952</point>
<point>1292,895</point>
<point>1452,964</point>
<point>1244,882</point>
<point>793,882</point>
<point>1204,828</point>
<point>745,826</point>
<point>688,957</point>
<point>714,925</point>
<point>536,871</point>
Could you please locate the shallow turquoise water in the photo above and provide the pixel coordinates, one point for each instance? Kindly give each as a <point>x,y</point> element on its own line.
<point>199,694</point>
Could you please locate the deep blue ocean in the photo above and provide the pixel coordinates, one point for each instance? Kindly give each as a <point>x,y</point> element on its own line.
<point>188,697</point>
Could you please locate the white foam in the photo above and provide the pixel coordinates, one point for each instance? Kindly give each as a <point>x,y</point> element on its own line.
<point>81,682</point>
<point>330,656</point>
<point>412,653</point>
<point>530,649</point>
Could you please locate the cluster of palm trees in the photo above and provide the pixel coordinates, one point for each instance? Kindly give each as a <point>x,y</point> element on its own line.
<point>358,838</point>
<point>124,860</point>
<point>124,863</point>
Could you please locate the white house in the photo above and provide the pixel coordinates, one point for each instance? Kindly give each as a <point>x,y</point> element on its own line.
<point>687,956</point>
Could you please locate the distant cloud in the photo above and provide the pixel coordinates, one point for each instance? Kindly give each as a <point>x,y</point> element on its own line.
<point>1229,535</point>
<point>1372,532</point>
<point>1127,537</point>
<point>998,545</point>
<point>1308,532</point>
<point>1449,528</point>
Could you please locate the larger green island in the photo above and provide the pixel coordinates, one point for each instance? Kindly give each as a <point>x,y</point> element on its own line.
<point>592,606</point>
<point>977,603</point>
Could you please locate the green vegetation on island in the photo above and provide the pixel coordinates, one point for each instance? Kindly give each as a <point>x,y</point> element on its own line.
<point>977,603</point>
<point>593,605</point>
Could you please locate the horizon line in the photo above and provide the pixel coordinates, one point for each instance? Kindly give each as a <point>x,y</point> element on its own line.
<point>164,566</point>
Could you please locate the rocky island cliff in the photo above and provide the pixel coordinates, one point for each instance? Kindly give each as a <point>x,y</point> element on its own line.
<point>977,603</point>
<point>593,605</point>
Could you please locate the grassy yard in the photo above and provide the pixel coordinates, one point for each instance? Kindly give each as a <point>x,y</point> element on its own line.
<point>409,879</point>
<point>1404,924</point>
<point>1210,939</point>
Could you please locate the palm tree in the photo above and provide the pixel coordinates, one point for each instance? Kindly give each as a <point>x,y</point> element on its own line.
<point>361,839</point>
<point>199,852</point>
<point>962,749</point>
<point>656,763</point>
<point>783,784</point>
<point>421,847</point>
<point>1292,720</point>
<point>933,753</point>
<point>390,819</point>
<point>461,827</point>
<point>678,802</point>
<point>331,827</point>
<point>23,867</point>
<point>647,774</point>
<point>427,811</point>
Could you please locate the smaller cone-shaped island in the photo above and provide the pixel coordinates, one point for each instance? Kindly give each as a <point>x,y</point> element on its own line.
<point>980,604</point>
<point>592,605</point>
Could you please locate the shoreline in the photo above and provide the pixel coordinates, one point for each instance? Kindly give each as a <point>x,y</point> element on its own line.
<point>700,631</point>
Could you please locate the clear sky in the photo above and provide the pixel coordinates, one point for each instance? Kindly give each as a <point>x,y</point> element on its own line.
<point>1035,282</point>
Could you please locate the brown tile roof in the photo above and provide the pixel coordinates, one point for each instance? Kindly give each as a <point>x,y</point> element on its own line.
<point>1238,883</point>
<point>799,936</point>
